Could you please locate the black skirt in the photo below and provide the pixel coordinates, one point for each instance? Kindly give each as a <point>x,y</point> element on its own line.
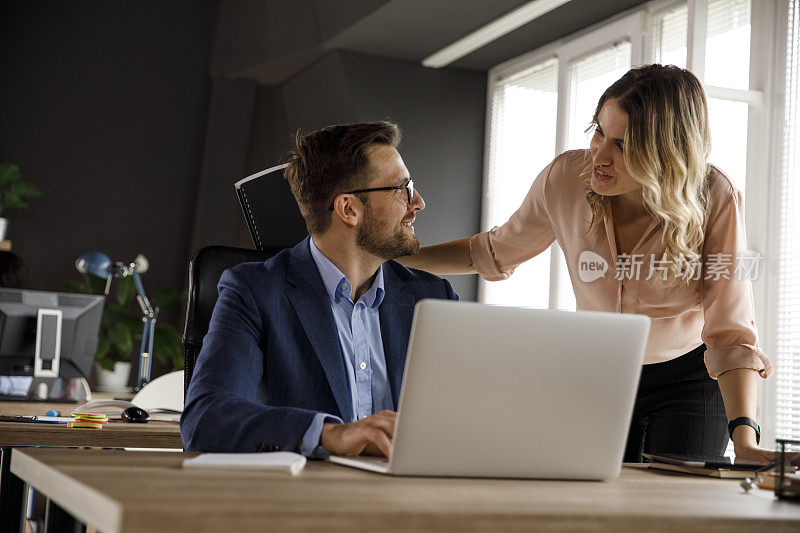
<point>678,410</point>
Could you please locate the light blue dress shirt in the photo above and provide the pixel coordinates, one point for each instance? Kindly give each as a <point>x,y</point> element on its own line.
<point>359,330</point>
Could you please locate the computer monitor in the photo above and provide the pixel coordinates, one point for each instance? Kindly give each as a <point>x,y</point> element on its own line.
<point>48,334</point>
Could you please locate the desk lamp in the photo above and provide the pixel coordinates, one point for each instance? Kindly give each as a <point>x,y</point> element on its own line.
<point>98,264</point>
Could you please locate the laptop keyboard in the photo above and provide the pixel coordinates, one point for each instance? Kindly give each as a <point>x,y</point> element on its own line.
<point>377,461</point>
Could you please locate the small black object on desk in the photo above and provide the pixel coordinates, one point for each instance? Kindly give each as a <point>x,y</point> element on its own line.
<point>136,415</point>
<point>787,486</point>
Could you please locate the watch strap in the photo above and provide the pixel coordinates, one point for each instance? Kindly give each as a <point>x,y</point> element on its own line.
<point>744,421</point>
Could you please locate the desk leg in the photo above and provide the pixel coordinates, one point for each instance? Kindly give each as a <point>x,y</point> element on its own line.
<point>57,520</point>
<point>12,492</point>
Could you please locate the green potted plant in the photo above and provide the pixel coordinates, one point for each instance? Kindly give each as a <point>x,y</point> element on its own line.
<point>121,330</point>
<point>13,193</point>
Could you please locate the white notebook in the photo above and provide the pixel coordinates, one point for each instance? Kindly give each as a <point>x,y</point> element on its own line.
<point>276,461</point>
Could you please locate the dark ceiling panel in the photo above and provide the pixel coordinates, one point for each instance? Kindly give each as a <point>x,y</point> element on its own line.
<point>560,22</point>
<point>414,29</point>
<point>272,40</point>
<point>333,17</point>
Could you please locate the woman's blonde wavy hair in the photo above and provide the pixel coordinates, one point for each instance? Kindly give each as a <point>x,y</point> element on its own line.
<point>666,148</point>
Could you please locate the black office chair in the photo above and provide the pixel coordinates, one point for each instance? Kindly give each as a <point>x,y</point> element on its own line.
<point>205,269</point>
<point>270,210</point>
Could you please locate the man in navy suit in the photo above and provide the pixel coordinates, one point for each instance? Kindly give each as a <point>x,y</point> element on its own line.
<point>305,352</point>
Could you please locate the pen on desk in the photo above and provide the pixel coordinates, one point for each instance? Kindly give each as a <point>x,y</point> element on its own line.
<point>17,418</point>
<point>48,419</point>
<point>36,419</point>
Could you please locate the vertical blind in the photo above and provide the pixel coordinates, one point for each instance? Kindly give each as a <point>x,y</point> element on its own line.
<point>670,33</point>
<point>787,417</point>
<point>728,44</point>
<point>588,78</point>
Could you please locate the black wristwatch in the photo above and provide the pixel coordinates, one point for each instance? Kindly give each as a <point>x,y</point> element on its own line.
<point>744,421</point>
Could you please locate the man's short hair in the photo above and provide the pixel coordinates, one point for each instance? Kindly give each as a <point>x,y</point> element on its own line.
<point>328,162</point>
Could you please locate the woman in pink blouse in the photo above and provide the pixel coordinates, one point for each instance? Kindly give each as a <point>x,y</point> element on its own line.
<point>648,226</point>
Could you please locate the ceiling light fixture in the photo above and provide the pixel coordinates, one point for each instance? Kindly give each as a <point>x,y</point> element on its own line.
<point>489,32</point>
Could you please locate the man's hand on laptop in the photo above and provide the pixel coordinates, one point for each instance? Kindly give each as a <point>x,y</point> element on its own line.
<point>369,436</point>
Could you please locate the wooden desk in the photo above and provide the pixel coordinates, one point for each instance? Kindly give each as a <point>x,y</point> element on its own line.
<point>114,435</point>
<point>119,491</point>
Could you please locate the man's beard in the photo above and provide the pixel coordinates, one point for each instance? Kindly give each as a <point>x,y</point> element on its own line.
<point>376,238</point>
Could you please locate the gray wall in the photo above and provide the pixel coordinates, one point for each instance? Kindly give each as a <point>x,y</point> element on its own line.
<point>103,106</point>
<point>217,215</point>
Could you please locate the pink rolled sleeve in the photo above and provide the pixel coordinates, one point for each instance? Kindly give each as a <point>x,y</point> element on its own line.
<point>729,329</point>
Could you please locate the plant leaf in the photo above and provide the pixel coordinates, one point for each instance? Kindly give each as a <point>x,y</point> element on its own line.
<point>167,345</point>
<point>27,189</point>
<point>105,363</point>
<point>126,290</point>
<point>116,310</point>
<point>119,336</point>
<point>9,173</point>
<point>103,346</point>
<point>75,286</point>
<point>163,298</point>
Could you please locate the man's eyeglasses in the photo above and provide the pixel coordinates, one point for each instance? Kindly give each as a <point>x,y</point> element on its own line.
<point>409,187</point>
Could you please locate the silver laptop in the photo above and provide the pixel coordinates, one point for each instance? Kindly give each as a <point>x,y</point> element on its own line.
<point>509,392</point>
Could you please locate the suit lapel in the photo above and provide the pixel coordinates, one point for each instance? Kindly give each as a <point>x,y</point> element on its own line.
<point>310,301</point>
<point>396,312</point>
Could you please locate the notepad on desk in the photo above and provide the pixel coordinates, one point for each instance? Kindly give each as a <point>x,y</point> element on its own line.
<point>273,461</point>
<point>720,467</point>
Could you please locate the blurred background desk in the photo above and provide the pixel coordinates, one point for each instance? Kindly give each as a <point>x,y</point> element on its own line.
<point>121,491</point>
<point>114,435</point>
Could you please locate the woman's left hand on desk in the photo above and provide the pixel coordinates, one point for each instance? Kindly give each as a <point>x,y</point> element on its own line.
<point>753,454</point>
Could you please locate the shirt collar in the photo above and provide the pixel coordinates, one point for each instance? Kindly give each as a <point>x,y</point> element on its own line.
<point>338,286</point>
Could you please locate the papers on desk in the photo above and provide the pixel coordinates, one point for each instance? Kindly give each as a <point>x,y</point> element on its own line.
<point>113,409</point>
<point>274,461</point>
